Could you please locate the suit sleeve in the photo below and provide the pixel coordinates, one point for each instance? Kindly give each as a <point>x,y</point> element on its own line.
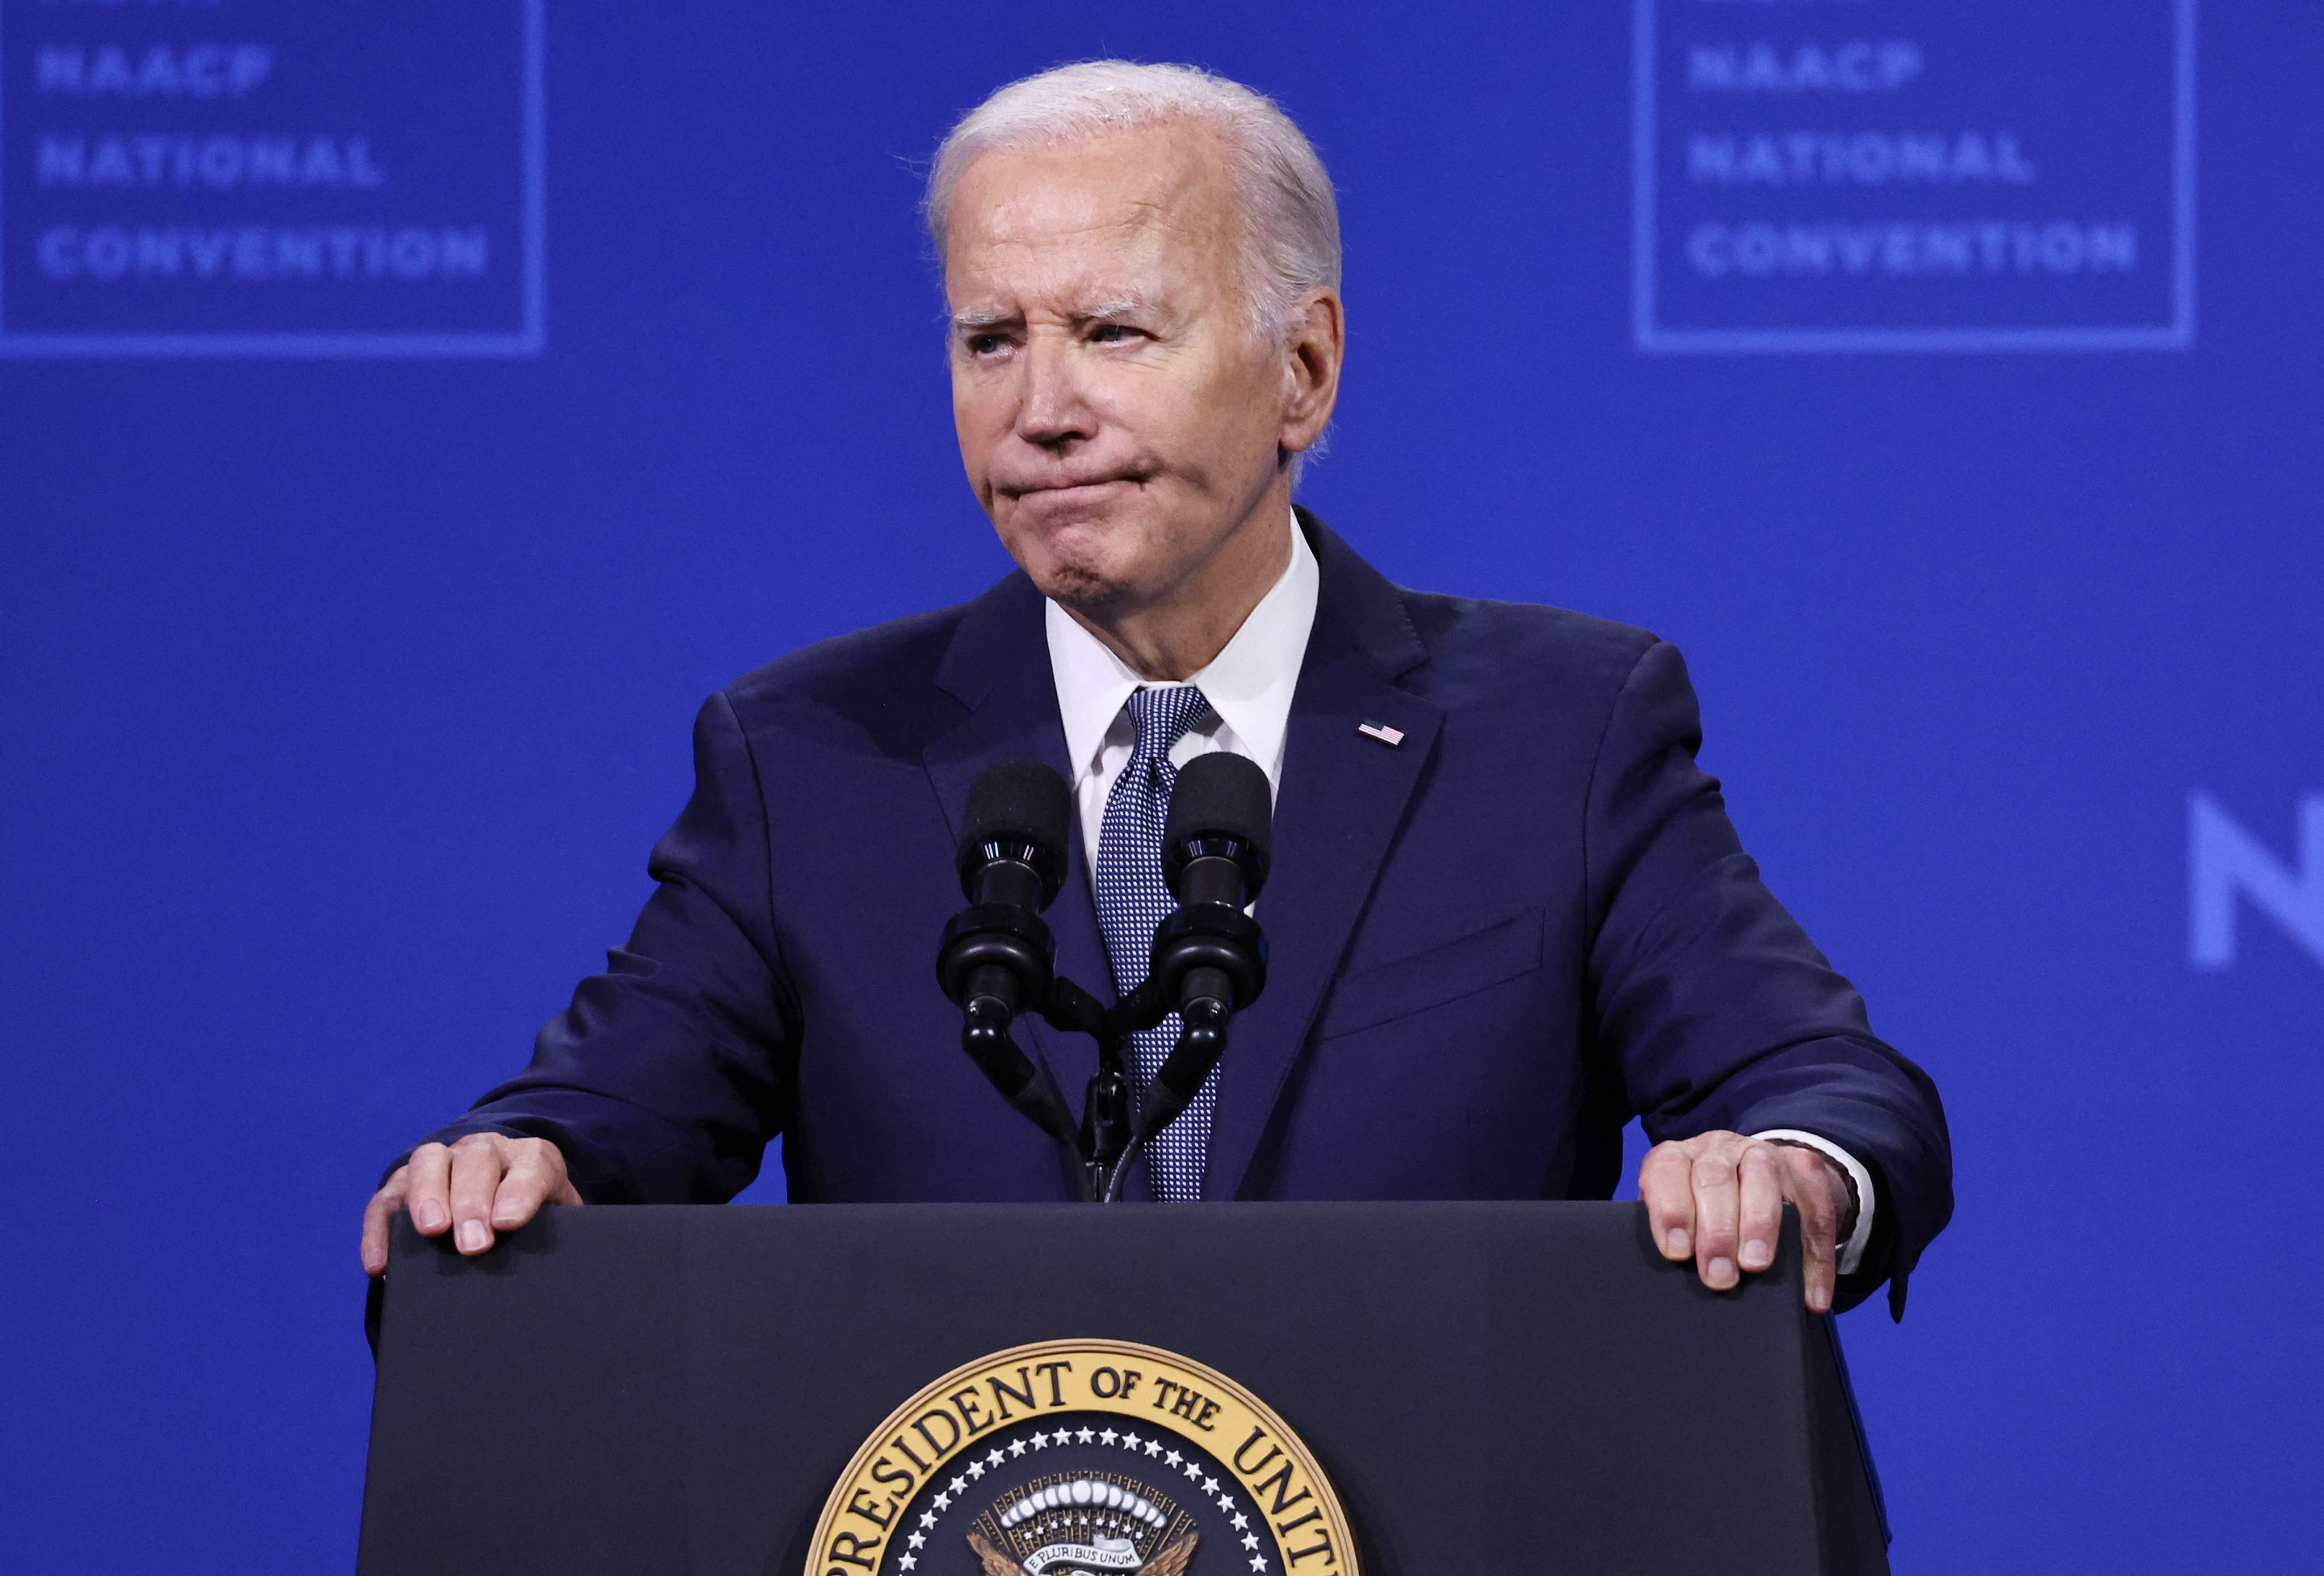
<point>1713,1006</point>
<point>666,1078</point>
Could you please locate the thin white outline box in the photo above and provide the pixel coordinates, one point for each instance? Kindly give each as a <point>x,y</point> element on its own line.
<point>2177,334</point>
<point>527,339</point>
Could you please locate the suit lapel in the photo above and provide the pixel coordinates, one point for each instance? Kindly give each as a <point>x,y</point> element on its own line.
<point>1343,798</point>
<point>998,666</point>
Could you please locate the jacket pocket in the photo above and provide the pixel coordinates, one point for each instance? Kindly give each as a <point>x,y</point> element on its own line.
<point>1497,953</point>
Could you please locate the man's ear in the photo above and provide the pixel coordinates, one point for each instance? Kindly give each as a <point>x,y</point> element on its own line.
<point>1316,343</point>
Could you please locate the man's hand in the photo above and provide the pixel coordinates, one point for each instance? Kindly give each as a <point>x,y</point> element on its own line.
<point>485,1183</point>
<point>1719,1199</point>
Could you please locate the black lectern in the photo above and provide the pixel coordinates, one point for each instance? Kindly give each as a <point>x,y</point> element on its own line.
<point>1498,1388</point>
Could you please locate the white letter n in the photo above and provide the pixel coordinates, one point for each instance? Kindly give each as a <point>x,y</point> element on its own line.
<point>2223,860</point>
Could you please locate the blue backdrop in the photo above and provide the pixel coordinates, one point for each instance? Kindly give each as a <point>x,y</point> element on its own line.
<point>409,412</point>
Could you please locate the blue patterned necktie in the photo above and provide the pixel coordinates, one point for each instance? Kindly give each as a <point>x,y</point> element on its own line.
<point>1132,900</point>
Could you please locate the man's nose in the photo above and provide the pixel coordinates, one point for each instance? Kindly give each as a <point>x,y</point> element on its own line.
<point>1053,409</point>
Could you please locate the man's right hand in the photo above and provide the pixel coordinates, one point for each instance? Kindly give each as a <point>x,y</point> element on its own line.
<point>485,1185</point>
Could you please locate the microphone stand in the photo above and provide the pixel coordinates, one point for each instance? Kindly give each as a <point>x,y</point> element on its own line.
<point>989,953</point>
<point>1107,1143</point>
<point>1220,953</point>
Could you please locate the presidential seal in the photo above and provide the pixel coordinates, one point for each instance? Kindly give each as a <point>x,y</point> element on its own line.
<point>1083,1458</point>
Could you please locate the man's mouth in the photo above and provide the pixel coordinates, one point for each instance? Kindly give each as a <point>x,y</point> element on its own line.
<point>1061,488</point>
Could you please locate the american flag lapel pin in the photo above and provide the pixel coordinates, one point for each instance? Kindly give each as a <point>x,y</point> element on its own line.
<point>1391,737</point>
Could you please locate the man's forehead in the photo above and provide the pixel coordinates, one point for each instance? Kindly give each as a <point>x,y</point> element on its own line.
<point>1142,191</point>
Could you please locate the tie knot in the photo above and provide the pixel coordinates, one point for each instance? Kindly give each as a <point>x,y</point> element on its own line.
<point>1164,715</point>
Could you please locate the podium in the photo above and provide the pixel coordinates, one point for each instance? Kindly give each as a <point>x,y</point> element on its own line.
<point>1515,1388</point>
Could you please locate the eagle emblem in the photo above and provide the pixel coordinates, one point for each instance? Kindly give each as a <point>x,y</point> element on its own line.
<point>1171,1562</point>
<point>1084,1525</point>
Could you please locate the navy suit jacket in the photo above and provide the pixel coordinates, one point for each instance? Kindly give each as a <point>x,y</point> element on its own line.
<point>1490,945</point>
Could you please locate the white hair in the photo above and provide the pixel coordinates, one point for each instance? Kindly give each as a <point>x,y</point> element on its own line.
<point>1291,230</point>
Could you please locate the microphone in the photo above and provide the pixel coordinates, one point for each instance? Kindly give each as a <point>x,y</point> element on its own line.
<point>997,958</point>
<point>1012,835</point>
<point>1219,831</point>
<point>1214,856</point>
<point>1209,957</point>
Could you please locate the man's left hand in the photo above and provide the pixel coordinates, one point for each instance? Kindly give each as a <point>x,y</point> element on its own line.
<point>1718,1198</point>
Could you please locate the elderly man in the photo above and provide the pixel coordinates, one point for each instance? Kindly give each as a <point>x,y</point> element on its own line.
<point>1507,911</point>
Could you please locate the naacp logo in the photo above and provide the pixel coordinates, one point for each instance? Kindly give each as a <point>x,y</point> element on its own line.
<point>1083,1458</point>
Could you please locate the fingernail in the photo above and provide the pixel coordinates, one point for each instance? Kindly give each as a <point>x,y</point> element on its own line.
<point>1722,1273</point>
<point>1755,1254</point>
<point>1819,1300</point>
<point>472,1236</point>
<point>1677,1240</point>
<point>429,1217</point>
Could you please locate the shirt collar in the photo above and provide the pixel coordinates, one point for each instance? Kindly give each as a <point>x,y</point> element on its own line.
<point>1248,683</point>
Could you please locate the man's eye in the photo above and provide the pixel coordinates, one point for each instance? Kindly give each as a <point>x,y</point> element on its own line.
<point>986,343</point>
<point>1111,333</point>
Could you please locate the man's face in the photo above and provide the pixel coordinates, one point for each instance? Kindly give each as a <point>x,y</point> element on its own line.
<point>1117,418</point>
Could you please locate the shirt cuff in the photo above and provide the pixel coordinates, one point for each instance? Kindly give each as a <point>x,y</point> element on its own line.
<point>1851,1252</point>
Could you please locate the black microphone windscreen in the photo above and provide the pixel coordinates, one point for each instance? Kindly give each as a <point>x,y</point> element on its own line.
<point>1222,795</point>
<point>1019,800</point>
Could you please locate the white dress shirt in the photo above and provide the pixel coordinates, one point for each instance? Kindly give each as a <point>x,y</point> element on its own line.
<point>1249,684</point>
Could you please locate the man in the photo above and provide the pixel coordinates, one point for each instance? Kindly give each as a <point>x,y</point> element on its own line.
<point>1505,910</point>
